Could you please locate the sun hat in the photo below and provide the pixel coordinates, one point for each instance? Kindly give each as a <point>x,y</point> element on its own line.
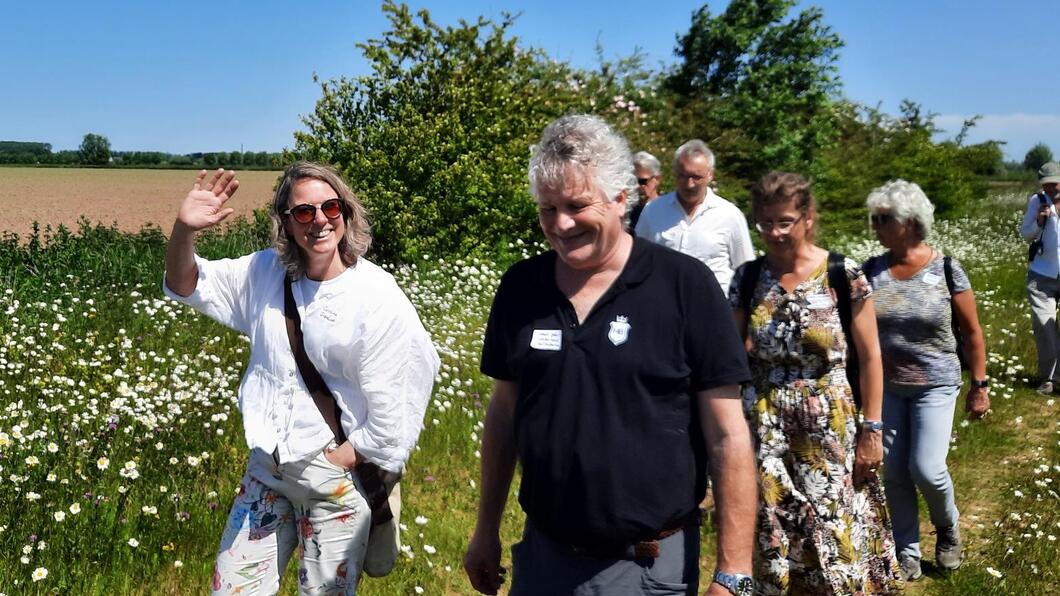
<point>1049,172</point>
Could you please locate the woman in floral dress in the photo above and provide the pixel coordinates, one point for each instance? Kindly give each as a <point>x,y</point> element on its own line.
<point>823,526</point>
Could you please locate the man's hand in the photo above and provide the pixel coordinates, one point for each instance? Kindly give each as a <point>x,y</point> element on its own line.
<point>1043,214</point>
<point>482,562</point>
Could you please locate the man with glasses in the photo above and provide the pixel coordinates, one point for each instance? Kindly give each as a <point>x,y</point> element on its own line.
<point>648,171</point>
<point>696,221</point>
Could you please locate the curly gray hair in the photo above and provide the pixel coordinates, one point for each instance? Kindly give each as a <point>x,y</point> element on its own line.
<point>905,201</point>
<point>354,243</point>
<point>589,144</point>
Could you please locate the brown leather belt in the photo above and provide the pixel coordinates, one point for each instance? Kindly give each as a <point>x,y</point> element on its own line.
<point>645,549</point>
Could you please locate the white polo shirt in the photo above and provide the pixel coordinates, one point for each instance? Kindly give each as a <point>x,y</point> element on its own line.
<point>359,330</point>
<point>716,232</point>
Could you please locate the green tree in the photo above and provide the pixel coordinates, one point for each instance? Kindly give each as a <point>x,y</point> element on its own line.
<point>875,147</point>
<point>758,85</point>
<point>436,139</point>
<point>95,150</point>
<point>1036,156</point>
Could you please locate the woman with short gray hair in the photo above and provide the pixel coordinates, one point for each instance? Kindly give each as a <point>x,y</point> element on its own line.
<point>918,293</point>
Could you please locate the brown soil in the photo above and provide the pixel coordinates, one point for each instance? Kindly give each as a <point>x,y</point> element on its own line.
<point>128,199</point>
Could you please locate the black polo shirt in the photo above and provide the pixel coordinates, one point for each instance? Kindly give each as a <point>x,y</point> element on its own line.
<point>606,423</point>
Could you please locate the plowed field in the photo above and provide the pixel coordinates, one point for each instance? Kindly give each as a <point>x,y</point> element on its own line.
<point>126,198</point>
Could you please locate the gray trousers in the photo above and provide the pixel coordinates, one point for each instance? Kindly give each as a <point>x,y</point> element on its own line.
<point>1043,293</point>
<point>540,565</point>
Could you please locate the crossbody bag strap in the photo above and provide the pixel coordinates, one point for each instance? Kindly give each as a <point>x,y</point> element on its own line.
<point>322,396</point>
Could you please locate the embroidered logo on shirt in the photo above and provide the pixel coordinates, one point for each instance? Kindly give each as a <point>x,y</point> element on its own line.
<point>546,339</point>
<point>619,332</point>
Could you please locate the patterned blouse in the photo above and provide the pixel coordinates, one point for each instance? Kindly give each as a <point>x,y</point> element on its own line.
<point>914,321</point>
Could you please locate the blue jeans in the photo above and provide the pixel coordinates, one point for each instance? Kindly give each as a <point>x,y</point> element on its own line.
<point>917,424</point>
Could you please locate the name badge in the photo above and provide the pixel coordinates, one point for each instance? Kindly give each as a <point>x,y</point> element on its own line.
<point>547,339</point>
<point>931,279</point>
<point>819,301</point>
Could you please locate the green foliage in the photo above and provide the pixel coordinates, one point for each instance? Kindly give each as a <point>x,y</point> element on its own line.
<point>875,148</point>
<point>1036,156</point>
<point>436,139</point>
<point>26,147</point>
<point>95,150</point>
<point>757,85</point>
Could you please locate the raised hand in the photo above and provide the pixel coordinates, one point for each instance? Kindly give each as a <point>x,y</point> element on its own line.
<point>204,206</point>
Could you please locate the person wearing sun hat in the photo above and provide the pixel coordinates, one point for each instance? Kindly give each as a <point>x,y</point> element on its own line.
<point>1040,227</point>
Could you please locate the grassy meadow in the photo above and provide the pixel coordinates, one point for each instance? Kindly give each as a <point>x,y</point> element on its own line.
<point>121,444</point>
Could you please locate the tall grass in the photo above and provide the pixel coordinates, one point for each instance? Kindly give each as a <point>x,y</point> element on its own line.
<point>121,443</point>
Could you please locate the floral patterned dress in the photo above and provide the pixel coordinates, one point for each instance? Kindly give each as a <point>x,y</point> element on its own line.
<point>817,533</point>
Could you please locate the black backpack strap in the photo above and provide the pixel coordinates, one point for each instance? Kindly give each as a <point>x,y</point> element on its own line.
<point>840,284</point>
<point>751,272</point>
<point>955,323</point>
<point>947,266</point>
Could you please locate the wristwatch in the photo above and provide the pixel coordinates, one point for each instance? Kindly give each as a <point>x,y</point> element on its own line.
<point>980,383</point>
<point>873,426</point>
<point>737,584</point>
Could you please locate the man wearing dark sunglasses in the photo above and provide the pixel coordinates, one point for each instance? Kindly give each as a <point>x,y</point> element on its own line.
<point>696,221</point>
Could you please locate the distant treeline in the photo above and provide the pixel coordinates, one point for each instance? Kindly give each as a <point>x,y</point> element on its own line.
<point>40,154</point>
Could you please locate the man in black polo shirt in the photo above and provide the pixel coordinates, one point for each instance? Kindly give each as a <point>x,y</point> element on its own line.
<point>616,364</point>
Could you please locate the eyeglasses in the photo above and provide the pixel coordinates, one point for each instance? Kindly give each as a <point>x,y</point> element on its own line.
<point>644,181</point>
<point>879,219</point>
<point>306,213</point>
<point>783,227</point>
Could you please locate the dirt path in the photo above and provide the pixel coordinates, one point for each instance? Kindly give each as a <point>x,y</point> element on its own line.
<point>126,198</point>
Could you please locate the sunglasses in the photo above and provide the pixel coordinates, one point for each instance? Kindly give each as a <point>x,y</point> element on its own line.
<point>879,219</point>
<point>644,181</point>
<point>306,213</point>
<point>781,226</point>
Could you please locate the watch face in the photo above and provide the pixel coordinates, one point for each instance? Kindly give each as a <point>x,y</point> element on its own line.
<point>745,586</point>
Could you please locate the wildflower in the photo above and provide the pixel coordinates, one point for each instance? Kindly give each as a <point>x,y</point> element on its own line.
<point>52,448</point>
<point>39,573</point>
<point>102,463</point>
<point>75,508</point>
<point>421,520</point>
<point>32,496</point>
<point>32,460</point>
<point>430,550</point>
<point>59,516</point>
<point>994,572</point>
<point>178,564</point>
<point>134,542</point>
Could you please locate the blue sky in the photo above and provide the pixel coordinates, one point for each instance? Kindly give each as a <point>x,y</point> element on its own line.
<point>220,76</point>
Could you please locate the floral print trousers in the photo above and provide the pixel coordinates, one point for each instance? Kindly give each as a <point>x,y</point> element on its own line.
<point>817,533</point>
<point>309,503</point>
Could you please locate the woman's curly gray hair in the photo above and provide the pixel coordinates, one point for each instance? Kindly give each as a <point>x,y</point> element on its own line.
<point>353,244</point>
<point>596,150</point>
<point>905,201</point>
